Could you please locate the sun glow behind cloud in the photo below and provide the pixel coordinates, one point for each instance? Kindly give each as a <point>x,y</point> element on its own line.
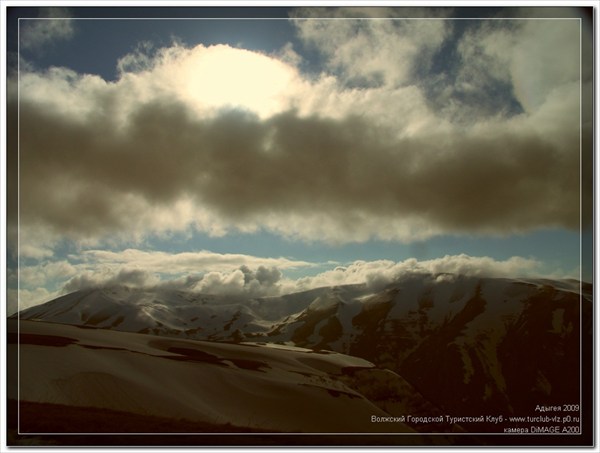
<point>244,140</point>
<point>223,77</point>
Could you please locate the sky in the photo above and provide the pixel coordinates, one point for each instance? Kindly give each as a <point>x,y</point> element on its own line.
<point>262,151</point>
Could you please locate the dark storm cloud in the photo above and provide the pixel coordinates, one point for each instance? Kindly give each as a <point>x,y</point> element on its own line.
<point>89,177</point>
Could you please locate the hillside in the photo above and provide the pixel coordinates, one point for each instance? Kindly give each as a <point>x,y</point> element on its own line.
<point>454,345</point>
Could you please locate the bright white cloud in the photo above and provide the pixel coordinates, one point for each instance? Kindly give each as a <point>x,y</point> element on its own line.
<point>378,274</point>
<point>208,79</point>
<point>222,284</point>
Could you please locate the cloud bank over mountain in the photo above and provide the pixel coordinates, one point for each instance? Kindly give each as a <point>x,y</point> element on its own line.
<point>236,275</point>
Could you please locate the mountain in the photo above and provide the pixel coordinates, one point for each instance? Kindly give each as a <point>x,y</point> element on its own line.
<point>463,345</point>
<point>167,312</point>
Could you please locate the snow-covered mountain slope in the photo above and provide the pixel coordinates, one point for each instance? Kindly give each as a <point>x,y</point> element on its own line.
<point>283,389</point>
<point>177,313</point>
<point>467,344</point>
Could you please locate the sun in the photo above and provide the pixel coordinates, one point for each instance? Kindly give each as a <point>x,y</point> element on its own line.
<point>225,77</point>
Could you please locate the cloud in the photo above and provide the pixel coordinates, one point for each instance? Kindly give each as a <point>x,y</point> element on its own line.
<point>535,56</point>
<point>307,177</point>
<point>243,281</point>
<point>94,268</point>
<point>256,280</point>
<point>137,278</point>
<point>53,24</point>
<point>378,274</point>
<point>20,299</point>
<point>172,146</point>
<point>35,251</point>
<point>48,271</point>
<point>185,262</point>
<point>369,46</point>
